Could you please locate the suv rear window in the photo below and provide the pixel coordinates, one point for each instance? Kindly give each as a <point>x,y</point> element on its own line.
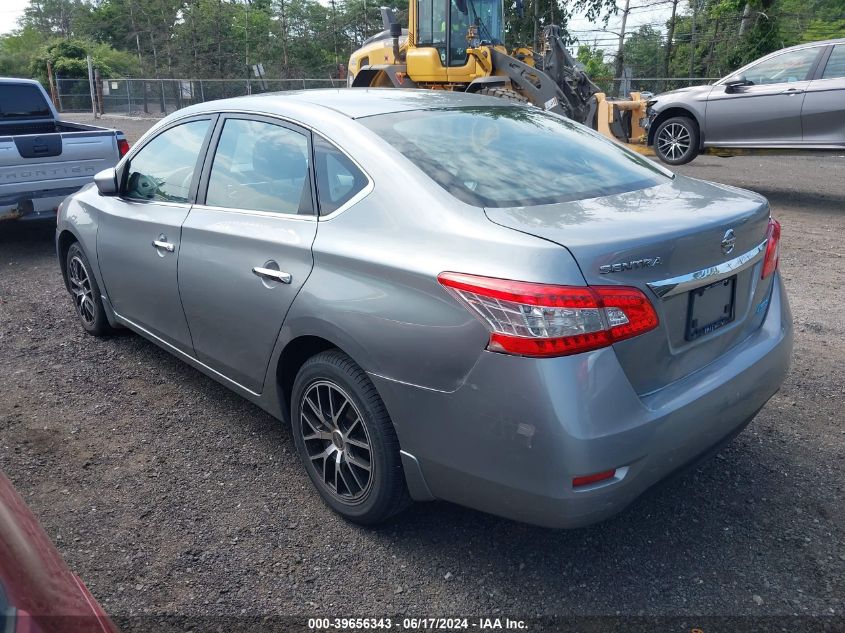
<point>22,101</point>
<point>506,156</point>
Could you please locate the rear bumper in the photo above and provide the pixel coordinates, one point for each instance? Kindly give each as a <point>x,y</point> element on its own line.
<point>34,205</point>
<point>510,439</point>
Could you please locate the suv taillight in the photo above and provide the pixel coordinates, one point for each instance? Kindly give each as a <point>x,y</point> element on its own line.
<point>770,262</point>
<point>531,319</point>
<point>122,147</point>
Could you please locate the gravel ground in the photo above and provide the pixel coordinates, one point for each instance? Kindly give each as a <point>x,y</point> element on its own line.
<point>169,494</point>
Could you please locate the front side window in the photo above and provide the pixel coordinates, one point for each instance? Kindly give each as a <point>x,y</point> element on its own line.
<point>338,178</point>
<point>260,166</point>
<point>164,168</point>
<point>786,68</point>
<point>835,68</point>
<point>504,156</point>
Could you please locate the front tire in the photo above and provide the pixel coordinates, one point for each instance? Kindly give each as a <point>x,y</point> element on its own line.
<point>85,292</point>
<point>676,140</point>
<point>346,440</point>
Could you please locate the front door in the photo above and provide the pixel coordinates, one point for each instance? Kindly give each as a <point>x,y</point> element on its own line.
<point>138,237</point>
<point>767,111</point>
<point>246,249</point>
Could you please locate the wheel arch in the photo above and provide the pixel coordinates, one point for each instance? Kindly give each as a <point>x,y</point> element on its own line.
<point>63,243</point>
<point>674,111</point>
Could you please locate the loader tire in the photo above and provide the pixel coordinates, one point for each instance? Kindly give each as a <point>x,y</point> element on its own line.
<point>503,93</point>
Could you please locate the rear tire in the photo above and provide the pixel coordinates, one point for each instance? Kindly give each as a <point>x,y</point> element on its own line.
<point>503,93</point>
<point>676,140</point>
<point>85,292</point>
<point>346,440</point>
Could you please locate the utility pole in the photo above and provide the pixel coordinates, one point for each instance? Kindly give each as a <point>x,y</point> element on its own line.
<point>670,35</point>
<point>694,4</point>
<point>246,45</point>
<point>536,24</point>
<point>334,29</point>
<point>620,61</point>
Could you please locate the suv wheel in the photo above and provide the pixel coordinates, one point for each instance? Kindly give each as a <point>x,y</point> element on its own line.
<point>85,292</point>
<point>346,439</point>
<point>676,140</point>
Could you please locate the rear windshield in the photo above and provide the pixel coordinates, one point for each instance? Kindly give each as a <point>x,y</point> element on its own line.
<point>496,156</point>
<point>22,101</point>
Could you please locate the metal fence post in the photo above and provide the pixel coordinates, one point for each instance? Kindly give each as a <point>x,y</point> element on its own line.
<point>91,87</point>
<point>161,96</point>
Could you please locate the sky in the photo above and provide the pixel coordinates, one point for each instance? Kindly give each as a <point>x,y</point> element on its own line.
<point>10,11</point>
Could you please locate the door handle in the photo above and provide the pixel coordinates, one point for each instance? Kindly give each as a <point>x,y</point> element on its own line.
<point>273,275</point>
<point>160,243</point>
<point>792,91</point>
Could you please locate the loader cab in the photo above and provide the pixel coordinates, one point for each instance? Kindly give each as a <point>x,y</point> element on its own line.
<point>441,36</point>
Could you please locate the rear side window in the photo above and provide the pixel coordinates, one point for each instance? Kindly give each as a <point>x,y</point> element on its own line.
<point>338,178</point>
<point>505,156</point>
<point>259,166</point>
<point>836,63</point>
<point>163,169</point>
<point>22,101</point>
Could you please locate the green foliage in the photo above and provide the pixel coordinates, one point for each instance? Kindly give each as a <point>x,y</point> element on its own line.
<point>312,38</point>
<point>593,60</point>
<point>16,51</point>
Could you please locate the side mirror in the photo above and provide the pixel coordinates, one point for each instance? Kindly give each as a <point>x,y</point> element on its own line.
<point>735,81</point>
<point>106,182</point>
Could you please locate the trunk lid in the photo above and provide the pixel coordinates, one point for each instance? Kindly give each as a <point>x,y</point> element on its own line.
<point>648,239</point>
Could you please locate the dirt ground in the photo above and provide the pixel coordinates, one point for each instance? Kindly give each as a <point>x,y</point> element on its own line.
<point>169,494</point>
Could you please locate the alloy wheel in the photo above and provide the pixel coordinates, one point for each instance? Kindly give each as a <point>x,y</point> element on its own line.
<point>674,141</point>
<point>80,288</point>
<point>336,441</point>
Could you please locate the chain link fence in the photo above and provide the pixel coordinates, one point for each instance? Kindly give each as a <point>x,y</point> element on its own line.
<point>157,97</point>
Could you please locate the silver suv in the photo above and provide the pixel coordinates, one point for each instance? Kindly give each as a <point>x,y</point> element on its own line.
<point>369,266</point>
<point>791,99</point>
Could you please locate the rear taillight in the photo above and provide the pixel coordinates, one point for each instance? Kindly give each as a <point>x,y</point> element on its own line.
<point>530,319</point>
<point>122,147</point>
<point>770,262</point>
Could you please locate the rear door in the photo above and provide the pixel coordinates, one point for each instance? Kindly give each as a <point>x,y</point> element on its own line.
<point>823,115</point>
<point>138,234</point>
<point>246,245</point>
<point>768,110</point>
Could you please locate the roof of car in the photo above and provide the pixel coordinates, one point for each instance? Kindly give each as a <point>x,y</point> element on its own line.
<point>354,102</point>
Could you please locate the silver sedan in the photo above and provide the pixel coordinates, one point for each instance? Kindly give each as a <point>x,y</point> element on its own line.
<point>447,296</point>
<point>793,99</point>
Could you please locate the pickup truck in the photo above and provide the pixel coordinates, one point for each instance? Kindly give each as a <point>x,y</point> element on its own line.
<point>42,158</point>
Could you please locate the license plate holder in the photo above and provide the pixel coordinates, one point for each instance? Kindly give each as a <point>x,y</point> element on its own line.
<point>710,308</point>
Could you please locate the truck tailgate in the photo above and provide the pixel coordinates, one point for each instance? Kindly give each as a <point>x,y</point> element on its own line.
<point>33,165</point>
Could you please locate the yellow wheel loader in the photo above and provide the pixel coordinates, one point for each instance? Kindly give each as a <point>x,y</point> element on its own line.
<point>459,45</point>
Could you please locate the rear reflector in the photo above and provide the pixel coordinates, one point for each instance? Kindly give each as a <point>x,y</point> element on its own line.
<point>122,146</point>
<point>591,479</point>
<point>540,320</point>
<point>770,262</point>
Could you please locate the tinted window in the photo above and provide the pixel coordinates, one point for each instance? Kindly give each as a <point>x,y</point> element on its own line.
<point>513,156</point>
<point>164,168</point>
<point>836,63</point>
<point>785,68</point>
<point>260,167</point>
<point>338,179</point>
<point>21,101</point>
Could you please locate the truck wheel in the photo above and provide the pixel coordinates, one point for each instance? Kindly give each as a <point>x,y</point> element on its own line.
<point>85,292</point>
<point>676,140</point>
<point>503,93</point>
<point>346,440</point>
